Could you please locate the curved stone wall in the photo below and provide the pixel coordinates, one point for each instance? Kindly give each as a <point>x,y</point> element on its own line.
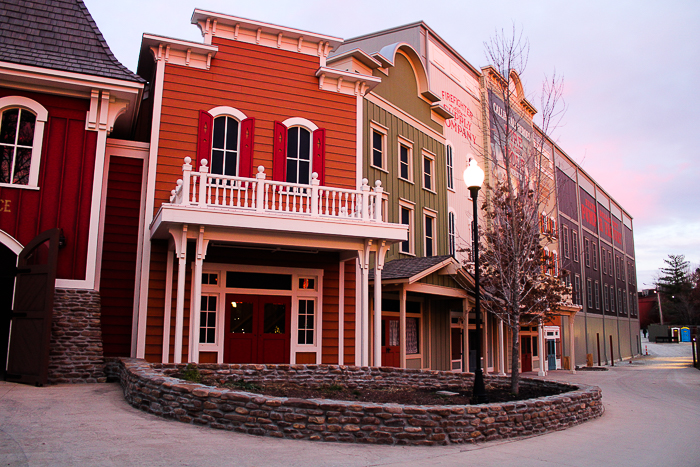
<point>150,387</point>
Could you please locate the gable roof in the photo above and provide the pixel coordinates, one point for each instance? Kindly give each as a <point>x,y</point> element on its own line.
<point>57,34</point>
<point>412,269</point>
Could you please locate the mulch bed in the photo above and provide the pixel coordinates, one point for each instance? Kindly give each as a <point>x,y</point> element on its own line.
<point>399,395</point>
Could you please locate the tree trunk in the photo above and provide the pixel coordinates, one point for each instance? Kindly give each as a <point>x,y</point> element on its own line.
<point>515,360</point>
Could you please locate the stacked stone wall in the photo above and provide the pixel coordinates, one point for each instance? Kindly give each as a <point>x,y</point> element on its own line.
<point>76,354</point>
<point>152,388</point>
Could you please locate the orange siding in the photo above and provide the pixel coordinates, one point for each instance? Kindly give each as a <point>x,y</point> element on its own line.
<point>306,358</point>
<point>264,83</point>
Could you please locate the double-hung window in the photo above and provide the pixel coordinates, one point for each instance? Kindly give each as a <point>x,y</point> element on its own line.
<point>587,251</point>
<point>298,155</point>
<point>378,146</point>
<point>207,320</point>
<point>224,151</point>
<point>405,160</point>
<point>594,253</point>
<point>429,230</point>
<point>589,293</point>
<point>565,240</point>
<point>428,172</point>
<point>596,291</point>
<point>450,169</point>
<point>451,232</point>
<point>574,244</point>
<point>406,218</point>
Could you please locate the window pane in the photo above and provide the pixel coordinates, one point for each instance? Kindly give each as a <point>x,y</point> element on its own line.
<point>26,128</point>
<point>241,317</point>
<point>292,142</point>
<point>291,170</point>
<point>219,132</point>
<point>231,134</point>
<point>412,335</point>
<point>428,226</point>
<point>231,163</point>
<point>217,162</point>
<point>304,170</point>
<point>204,302</point>
<point>6,154</point>
<point>203,335</point>
<point>8,126</point>
<point>304,144</point>
<point>393,332</point>
<point>274,318</point>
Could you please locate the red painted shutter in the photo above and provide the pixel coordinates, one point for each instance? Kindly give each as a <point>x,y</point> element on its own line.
<point>279,149</point>
<point>318,164</point>
<point>245,163</point>
<point>206,126</point>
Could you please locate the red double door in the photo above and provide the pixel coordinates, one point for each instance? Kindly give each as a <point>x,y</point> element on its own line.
<point>257,329</point>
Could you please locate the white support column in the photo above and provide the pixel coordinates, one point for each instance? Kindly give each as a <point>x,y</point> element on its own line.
<point>341,313</point>
<point>167,310</point>
<point>402,325</point>
<point>200,254</point>
<point>181,250</point>
<point>540,349</point>
<point>572,351</point>
<point>378,266</point>
<point>364,312</point>
<point>501,350</point>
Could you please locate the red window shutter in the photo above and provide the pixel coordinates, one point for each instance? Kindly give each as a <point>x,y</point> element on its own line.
<point>245,162</point>
<point>279,149</point>
<point>318,163</point>
<point>204,133</point>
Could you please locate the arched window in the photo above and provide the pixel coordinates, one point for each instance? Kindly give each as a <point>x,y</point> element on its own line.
<point>225,138</point>
<point>299,150</point>
<point>21,135</point>
<point>298,155</point>
<point>224,151</point>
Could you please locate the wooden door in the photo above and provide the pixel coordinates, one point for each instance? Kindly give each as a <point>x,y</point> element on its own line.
<point>30,335</point>
<point>240,343</point>
<point>526,353</point>
<point>391,351</point>
<point>257,329</point>
<point>456,343</point>
<point>273,332</point>
<point>552,354</point>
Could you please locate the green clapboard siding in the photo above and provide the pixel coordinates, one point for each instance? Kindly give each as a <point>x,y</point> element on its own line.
<point>400,189</point>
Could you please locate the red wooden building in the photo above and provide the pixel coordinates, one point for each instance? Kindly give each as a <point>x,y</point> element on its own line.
<point>62,93</point>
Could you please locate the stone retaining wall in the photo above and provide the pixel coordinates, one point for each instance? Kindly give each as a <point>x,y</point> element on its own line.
<point>76,354</point>
<point>149,388</point>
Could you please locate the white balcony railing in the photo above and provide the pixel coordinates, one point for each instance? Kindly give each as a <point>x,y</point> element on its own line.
<point>213,191</point>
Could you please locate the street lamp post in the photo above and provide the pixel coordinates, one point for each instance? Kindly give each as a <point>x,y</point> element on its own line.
<point>473,178</point>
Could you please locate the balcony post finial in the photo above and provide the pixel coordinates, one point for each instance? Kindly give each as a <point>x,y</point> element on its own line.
<point>260,189</point>
<point>365,200</point>
<point>186,173</point>
<point>378,190</point>
<point>314,194</point>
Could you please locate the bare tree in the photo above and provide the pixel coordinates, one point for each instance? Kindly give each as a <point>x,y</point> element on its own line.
<point>520,277</point>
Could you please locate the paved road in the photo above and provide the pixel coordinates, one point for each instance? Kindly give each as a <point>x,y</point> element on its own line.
<point>652,418</point>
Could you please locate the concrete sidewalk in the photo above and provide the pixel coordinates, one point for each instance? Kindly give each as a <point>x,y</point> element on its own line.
<point>652,418</point>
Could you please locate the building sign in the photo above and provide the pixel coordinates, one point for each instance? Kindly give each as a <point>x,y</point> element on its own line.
<point>589,219</point>
<point>604,223</point>
<point>617,232</point>
<point>463,120</point>
<point>515,133</point>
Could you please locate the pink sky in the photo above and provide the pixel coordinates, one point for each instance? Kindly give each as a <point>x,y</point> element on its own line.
<point>630,71</point>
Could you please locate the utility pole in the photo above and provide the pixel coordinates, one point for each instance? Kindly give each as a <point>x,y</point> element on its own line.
<point>658,299</point>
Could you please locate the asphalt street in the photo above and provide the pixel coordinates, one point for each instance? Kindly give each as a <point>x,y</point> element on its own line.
<point>652,418</point>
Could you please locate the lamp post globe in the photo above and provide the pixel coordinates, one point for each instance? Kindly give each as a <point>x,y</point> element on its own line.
<point>474,178</point>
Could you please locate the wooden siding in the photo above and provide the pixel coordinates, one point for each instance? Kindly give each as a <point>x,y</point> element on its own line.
<point>401,189</point>
<point>66,174</point>
<point>117,278</point>
<point>440,334</point>
<point>400,88</point>
<point>267,84</point>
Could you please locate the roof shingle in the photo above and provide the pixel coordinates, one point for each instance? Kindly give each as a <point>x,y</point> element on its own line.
<point>408,267</point>
<point>57,34</point>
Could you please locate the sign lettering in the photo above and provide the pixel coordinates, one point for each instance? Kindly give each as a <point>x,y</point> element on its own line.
<point>5,205</point>
<point>462,120</point>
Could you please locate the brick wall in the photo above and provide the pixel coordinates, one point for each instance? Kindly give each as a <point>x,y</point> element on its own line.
<point>76,339</point>
<point>150,388</point>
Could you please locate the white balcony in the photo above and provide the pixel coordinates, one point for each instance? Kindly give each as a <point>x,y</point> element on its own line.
<point>258,210</point>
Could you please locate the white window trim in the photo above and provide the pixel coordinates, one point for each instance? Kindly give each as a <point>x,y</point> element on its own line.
<point>433,179</point>
<point>42,116</point>
<point>383,131</point>
<point>300,121</point>
<point>229,111</point>
<point>433,215</point>
<point>452,234</point>
<point>411,226</point>
<point>401,141</point>
<point>450,174</point>
<point>295,294</point>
